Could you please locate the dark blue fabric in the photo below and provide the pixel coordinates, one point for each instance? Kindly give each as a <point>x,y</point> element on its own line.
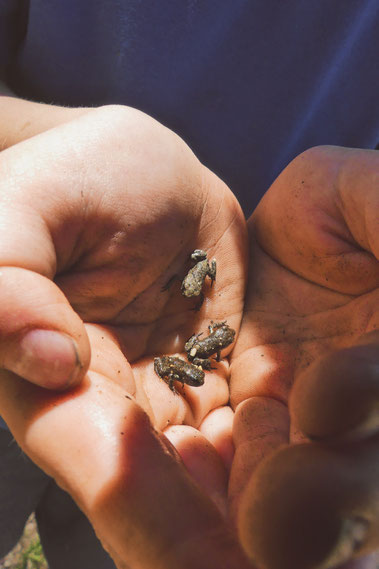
<point>13,19</point>
<point>248,84</point>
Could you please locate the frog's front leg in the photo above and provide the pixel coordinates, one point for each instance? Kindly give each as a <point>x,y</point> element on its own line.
<point>189,345</point>
<point>173,388</point>
<point>169,379</point>
<point>214,325</point>
<point>212,271</point>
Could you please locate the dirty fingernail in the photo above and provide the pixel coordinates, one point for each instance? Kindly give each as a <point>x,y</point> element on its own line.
<point>47,358</point>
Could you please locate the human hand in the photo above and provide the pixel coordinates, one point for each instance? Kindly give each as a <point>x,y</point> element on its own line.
<point>311,315</point>
<point>97,215</point>
<point>21,119</point>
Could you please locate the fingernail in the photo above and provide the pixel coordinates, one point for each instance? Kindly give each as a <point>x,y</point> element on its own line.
<point>47,358</point>
<point>352,535</point>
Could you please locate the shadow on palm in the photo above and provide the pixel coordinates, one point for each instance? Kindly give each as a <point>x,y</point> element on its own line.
<point>312,291</point>
<point>158,322</point>
<point>313,283</point>
<point>121,231</point>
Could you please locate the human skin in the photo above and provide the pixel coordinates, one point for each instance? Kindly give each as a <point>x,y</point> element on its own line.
<point>110,206</point>
<point>121,456</point>
<point>21,119</point>
<point>311,316</point>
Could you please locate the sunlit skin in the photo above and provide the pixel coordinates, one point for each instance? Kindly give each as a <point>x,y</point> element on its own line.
<point>313,289</point>
<point>108,232</point>
<point>103,233</point>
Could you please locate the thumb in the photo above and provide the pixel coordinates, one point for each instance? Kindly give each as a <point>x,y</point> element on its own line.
<point>42,339</point>
<point>337,397</point>
<point>318,504</point>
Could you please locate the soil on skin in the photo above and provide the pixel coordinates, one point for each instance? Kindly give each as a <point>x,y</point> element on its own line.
<point>14,559</point>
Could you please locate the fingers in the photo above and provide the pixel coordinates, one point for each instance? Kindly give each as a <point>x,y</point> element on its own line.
<point>329,224</point>
<point>101,447</point>
<point>261,425</point>
<point>42,339</point>
<point>358,202</point>
<point>338,396</point>
<point>22,119</point>
<point>202,462</point>
<point>217,427</point>
<point>319,507</point>
<point>191,404</point>
<point>319,503</point>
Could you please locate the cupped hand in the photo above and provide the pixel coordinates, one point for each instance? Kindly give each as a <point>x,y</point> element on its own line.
<point>97,216</point>
<point>304,482</point>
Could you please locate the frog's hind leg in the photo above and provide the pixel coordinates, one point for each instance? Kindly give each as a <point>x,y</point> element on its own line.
<point>212,326</point>
<point>212,271</point>
<point>215,325</point>
<point>170,382</point>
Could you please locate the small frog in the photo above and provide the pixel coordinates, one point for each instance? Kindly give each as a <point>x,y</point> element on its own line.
<point>171,368</point>
<point>198,351</point>
<point>192,284</point>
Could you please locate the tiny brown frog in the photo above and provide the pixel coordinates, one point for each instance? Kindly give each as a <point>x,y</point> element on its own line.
<point>192,284</point>
<point>171,368</point>
<point>198,351</point>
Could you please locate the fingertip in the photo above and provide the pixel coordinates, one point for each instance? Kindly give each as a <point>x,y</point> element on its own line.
<point>202,461</point>
<point>274,511</point>
<point>48,358</point>
<point>42,338</point>
<point>337,397</point>
<point>317,507</point>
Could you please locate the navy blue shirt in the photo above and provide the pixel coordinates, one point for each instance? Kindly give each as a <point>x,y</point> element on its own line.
<point>248,84</point>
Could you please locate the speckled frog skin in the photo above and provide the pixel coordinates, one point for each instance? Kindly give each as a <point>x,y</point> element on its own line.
<point>192,284</point>
<point>171,368</point>
<point>198,351</point>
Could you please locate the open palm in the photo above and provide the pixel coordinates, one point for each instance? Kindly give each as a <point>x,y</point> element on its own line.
<point>312,296</point>
<point>111,205</point>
